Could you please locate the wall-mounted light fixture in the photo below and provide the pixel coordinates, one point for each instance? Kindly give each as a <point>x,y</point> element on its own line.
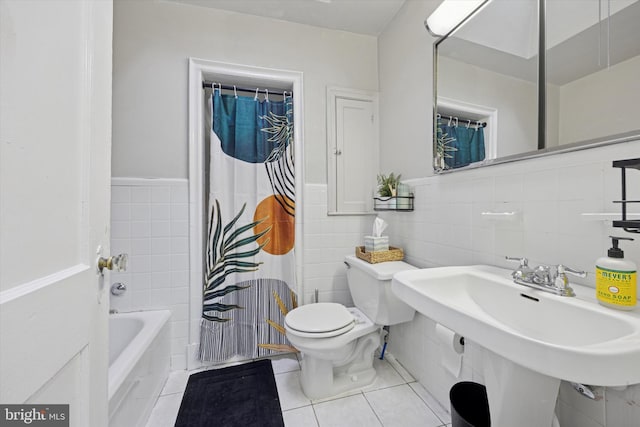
<point>449,14</point>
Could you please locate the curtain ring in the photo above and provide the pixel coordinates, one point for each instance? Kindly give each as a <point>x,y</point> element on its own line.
<point>438,116</point>
<point>455,121</point>
<point>235,93</point>
<point>468,123</point>
<point>255,98</point>
<point>266,96</point>
<point>478,124</point>
<point>450,118</point>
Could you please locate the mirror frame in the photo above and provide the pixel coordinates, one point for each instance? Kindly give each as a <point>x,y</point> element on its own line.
<point>542,151</point>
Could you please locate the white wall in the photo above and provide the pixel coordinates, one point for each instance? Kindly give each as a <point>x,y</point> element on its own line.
<point>515,100</point>
<point>154,39</point>
<point>152,42</point>
<point>446,228</point>
<point>601,104</point>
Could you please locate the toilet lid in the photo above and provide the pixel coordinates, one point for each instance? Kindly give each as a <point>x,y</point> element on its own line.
<point>321,319</point>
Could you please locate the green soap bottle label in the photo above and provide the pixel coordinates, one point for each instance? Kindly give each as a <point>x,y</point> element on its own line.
<point>616,287</point>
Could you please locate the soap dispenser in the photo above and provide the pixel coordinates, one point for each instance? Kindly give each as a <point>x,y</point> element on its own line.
<point>616,278</point>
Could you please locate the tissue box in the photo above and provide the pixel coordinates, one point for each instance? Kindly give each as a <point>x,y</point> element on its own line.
<point>375,244</point>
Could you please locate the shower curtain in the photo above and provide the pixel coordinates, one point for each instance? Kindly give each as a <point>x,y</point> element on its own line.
<point>249,266</point>
<point>465,145</point>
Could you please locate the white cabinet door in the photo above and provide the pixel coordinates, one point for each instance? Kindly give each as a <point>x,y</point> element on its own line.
<point>55,145</point>
<point>353,151</point>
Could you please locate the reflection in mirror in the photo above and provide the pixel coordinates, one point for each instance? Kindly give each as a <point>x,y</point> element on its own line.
<point>487,70</point>
<point>484,76</point>
<point>593,69</point>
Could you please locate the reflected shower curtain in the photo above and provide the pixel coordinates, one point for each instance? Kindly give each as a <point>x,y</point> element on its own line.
<point>464,145</point>
<point>249,266</point>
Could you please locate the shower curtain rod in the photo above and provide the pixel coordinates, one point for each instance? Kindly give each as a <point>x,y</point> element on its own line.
<point>206,84</point>
<point>463,121</point>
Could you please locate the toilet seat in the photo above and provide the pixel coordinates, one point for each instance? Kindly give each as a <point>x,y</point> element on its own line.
<point>320,320</point>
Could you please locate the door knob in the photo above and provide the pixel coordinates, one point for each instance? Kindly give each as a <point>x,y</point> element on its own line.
<point>115,263</point>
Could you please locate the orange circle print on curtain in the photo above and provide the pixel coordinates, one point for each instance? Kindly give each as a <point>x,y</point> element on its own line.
<point>277,212</point>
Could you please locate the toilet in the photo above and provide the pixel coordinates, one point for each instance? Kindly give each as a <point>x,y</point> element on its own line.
<point>337,342</point>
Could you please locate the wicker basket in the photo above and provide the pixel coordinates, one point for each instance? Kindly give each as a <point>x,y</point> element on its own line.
<point>393,254</point>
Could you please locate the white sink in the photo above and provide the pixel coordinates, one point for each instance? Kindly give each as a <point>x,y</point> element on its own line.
<point>551,337</point>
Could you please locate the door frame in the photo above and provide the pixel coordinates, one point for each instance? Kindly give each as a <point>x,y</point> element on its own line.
<point>226,73</point>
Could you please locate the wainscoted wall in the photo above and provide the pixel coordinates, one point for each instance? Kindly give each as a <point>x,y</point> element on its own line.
<point>149,221</point>
<point>550,194</point>
<point>327,239</point>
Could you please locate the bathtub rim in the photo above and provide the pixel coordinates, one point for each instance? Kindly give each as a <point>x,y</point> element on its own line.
<point>153,322</point>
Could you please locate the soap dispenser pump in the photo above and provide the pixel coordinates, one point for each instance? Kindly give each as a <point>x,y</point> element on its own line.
<point>616,285</point>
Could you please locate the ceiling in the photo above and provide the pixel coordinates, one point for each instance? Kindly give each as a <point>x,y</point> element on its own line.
<point>368,17</point>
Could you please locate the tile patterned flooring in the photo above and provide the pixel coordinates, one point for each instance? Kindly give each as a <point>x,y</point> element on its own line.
<point>394,399</point>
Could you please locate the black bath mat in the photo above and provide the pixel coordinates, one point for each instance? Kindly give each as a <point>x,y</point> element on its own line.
<point>242,395</point>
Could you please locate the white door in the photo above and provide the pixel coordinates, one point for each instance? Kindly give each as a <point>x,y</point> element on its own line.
<point>356,155</point>
<point>55,144</point>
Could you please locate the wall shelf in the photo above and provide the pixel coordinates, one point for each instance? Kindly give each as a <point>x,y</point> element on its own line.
<point>396,203</point>
<point>627,224</point>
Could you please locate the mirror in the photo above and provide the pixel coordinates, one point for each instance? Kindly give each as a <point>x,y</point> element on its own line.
<point>487,75</point>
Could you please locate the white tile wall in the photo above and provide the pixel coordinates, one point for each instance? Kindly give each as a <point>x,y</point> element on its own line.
<point>550,194</point>
<point>149,222</point>
<point>327,239</point>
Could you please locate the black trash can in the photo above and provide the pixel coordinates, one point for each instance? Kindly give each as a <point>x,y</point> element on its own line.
<point>469,405</point>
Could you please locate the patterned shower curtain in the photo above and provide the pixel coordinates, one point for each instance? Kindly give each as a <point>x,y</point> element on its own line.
<point>250,265</point>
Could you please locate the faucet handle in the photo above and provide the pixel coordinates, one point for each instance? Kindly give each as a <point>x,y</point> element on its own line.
<point>564,269</point>
<point>524,262</point>
<point>523,272</point>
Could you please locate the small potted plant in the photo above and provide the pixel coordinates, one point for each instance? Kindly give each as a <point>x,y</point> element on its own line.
<point>387,189</point>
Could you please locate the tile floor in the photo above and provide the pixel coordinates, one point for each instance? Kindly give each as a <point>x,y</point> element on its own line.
<point>394,399</point>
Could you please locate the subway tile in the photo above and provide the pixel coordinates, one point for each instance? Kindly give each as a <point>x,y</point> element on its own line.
<point>121,230</point>
<point>160,194</point>
<point>160,298</point>
<point>120,194</point>
<point>179,262</point>
<point>139,264</point>
<point>140,246</point>
<point>179,278</point>
<point>140,212</point>
<point>179,245</point>
<point>160,245</point>
<point>180,295</point>
<point>140,281</point>
<point>180,312</point>
<point>140,229</point>
<point>179,212</point>
<point>140,195</point>
<point>121,246</point>
<point>160,212</point>
<point>120,212</point>
<point>541,185</point>
<point>161,279</point>
<point>179,194</point>
<point>161,228</point>
<point>161,264</point>
<point>179,229</point>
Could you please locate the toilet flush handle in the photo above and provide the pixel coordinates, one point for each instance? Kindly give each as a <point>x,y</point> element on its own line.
<point>347,264</point>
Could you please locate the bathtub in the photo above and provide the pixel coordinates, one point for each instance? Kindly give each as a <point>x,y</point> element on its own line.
<point>139,359</point>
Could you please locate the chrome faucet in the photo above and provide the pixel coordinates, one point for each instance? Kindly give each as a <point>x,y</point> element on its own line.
<point>548,278</point>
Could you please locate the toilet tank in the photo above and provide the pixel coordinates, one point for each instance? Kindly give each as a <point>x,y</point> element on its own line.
<point>370,286</point>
